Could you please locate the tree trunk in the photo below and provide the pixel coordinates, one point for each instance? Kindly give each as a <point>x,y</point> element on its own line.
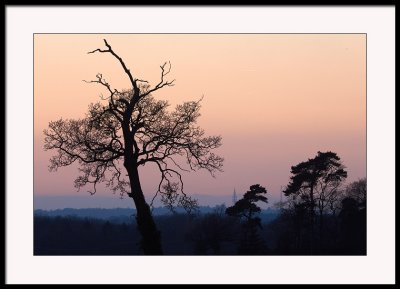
<point>312,217</point>
<point>151,237</point>
<point>321,232</point>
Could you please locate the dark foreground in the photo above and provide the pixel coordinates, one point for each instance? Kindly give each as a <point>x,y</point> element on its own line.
<point>211,233</point>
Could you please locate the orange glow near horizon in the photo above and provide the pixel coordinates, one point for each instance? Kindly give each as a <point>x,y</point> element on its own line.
<point>276,99</point>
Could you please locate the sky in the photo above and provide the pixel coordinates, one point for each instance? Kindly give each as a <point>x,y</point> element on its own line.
<point>276,100</point>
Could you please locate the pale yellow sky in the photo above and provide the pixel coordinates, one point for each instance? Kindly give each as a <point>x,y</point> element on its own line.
<point>276,99</point>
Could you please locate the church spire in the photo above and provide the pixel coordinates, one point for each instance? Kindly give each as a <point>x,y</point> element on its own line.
<point>234,197</point>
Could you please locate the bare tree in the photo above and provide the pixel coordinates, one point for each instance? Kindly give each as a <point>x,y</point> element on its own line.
<point>129,130</point>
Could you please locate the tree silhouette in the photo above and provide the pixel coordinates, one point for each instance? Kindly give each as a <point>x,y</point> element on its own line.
<point>315,183</point>
<point>247,210</point>
<point>358,191</point>
<point>211,231</point>
<point>130,130</point>
<point>353,218</point>
<point>353,227</point>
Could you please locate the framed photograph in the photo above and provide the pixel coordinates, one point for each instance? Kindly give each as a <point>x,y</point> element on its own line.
<point>168,153</point>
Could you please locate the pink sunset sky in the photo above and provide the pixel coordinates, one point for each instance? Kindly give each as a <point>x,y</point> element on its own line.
<point>276,99</point>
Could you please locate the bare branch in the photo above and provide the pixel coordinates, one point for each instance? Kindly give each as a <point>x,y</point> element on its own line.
<point>127,71</point>
<point>162,83</point>
<point>98,50</point>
